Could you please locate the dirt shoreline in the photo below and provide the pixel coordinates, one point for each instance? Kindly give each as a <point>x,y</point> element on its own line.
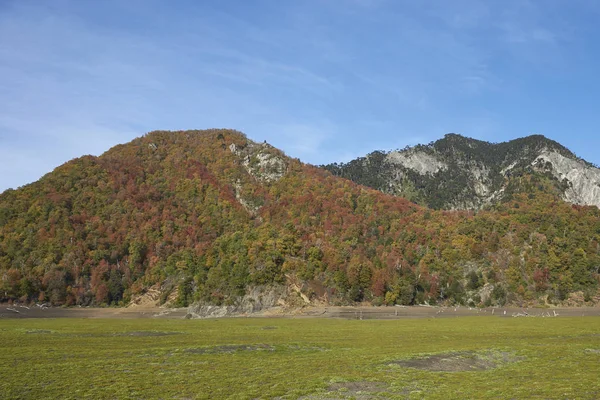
<point>36,311</point>
<point>390,313</point>
<point>363,312</point>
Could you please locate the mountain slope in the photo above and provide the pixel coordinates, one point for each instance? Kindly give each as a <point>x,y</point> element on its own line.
<point>210,209</point>
<point>214,218</point>
<point>461,173</point>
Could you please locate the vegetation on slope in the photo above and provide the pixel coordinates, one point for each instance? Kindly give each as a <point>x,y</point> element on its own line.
<point>469,164</point>
<point>212,214</point>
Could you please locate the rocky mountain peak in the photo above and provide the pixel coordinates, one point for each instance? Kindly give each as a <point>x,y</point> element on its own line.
<point>457,172</point>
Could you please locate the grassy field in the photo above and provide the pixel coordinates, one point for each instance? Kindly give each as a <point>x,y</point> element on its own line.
<point>471,357</point>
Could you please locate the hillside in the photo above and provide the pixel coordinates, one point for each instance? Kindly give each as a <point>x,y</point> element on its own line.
<point>462,173</point>
<point>213,218</point>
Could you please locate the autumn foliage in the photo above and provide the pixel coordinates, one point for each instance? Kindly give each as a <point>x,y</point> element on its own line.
<point>186,210</point>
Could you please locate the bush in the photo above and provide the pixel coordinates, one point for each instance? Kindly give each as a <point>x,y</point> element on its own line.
<point>390,298</point>
<point>407,294</point>
<point>377,301</point>
<point>499,295</point>
<point>185,293</point>
<point>474,280</point>
<point>456,292</point>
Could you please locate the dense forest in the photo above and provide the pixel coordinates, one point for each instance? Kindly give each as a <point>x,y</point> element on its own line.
<point>210,214</point>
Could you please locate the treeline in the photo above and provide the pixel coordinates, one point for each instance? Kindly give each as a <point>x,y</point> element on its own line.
<point>171,208</point>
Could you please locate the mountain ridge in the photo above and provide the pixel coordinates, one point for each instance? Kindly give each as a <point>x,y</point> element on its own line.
<point>457,172</point>
<point>214,219</point>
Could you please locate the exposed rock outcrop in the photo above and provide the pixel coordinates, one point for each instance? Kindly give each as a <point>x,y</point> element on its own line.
<point>462,173</point>
<point>257,299</point>
<point>262,161</point>
<point>583,179</point>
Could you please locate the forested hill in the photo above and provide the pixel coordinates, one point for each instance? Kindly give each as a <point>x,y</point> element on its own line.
<point>462,173</point>
<point>210,217</point>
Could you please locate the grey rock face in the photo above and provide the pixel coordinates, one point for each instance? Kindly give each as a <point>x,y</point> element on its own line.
<point>257,299</point>
<point>583,179</point>
<point>260,161</point>
<point>418,161</point>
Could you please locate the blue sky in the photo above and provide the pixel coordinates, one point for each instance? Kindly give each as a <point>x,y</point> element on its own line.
<point>324,80</point>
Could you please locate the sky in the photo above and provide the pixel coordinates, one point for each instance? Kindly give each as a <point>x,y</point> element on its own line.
<point>323,80</point>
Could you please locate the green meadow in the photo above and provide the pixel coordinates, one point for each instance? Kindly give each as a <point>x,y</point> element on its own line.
<point>250,358</point>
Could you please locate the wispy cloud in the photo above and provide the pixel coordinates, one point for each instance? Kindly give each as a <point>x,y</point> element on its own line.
<point>321,79</point>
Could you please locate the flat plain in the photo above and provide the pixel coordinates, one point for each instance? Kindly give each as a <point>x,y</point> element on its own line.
<point>307,358</point>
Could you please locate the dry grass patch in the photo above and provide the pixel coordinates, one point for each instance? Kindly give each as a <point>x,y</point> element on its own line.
<point>357,390</point>
<point>38,332</point>
<point>460,361</point>
<point>230,348</point>
<point>146,334</point>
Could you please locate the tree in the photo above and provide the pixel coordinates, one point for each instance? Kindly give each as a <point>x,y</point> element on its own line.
<point>580,269</point>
